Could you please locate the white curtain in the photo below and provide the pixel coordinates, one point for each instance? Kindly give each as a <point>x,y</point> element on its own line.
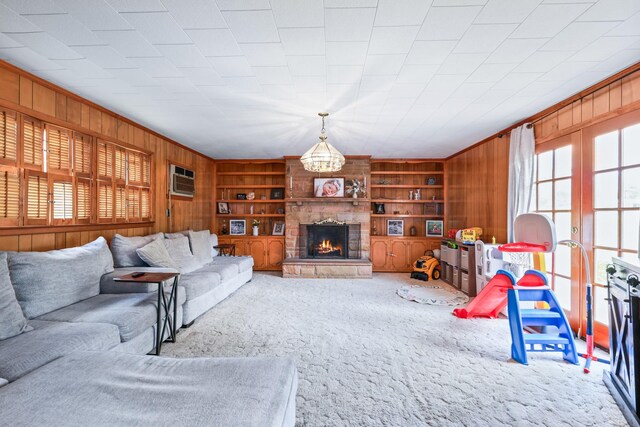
<point>521,163</point>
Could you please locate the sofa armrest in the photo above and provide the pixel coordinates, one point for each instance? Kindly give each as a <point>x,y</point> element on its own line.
<point>109,286</point>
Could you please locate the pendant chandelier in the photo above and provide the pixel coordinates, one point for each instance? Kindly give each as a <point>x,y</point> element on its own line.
<point>322,157</point>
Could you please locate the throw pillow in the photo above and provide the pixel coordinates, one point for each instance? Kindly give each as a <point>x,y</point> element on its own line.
<point>179,251</point>
<point>201,245</point>
<point>176,235</point>
<point>124,249</point>
<point>12,320</point>
<point>155,254</point>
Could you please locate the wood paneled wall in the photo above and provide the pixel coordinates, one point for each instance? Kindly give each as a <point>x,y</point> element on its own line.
<point>477,179</point>
<point>28,94</point>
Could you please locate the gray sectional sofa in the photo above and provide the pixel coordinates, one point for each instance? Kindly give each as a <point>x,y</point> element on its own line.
<point>73,341</point>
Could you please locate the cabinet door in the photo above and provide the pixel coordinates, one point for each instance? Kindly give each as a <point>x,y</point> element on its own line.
<point>417,249</point>
<point>379,254</point>
<point>257,249</point>
<point>275,253</point>
<point>399,255</point>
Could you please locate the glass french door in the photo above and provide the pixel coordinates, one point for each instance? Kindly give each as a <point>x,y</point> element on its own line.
<point>556,194</point>
<point>612,204</point>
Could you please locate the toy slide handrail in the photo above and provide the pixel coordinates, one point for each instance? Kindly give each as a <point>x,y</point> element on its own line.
<point>522,247</point>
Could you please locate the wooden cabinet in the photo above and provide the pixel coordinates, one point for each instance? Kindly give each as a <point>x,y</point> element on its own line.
<point>398,254</point>
<point>267,251</point>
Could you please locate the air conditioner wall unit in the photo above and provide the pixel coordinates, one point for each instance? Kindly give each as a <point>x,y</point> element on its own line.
<point>181,181</point>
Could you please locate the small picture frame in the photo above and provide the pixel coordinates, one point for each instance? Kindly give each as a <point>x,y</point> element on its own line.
<point>223,207</point>
<point>278,229</point>
<point>277,194</point>
<point>395,227</point>
<point>237,227</point>
<point>378,208</point>
<point>434,228</point>
<point>241,196</point>
<point>328,187</point>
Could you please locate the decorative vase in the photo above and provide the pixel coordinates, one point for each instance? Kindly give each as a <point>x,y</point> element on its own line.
<point>255,230</point>
<point>413,231</point>
<point>355,194</point>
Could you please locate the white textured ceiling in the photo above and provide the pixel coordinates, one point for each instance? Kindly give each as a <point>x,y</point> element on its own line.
<point>246,78</point>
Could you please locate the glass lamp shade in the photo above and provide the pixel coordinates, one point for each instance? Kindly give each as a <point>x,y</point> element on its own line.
<point>322,157</point>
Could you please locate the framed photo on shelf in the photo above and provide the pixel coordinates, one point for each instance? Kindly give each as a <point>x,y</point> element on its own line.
<point>328,187</point>
<point>223,207</point>
<point>277,193</point>
<point>241,196</point>
<point>278,229</point>
<point>378,208</point>
<point>434,228</point>
<point>237,227</point>
<point>395,227</point>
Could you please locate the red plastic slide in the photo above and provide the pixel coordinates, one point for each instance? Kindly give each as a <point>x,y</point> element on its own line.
<point>491,300</point>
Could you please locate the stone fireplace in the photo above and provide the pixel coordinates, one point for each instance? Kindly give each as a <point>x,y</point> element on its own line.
<point>326,237</point>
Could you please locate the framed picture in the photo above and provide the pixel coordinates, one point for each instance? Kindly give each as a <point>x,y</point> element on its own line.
<point>238,227</point>
<point>278,229</point>
<point>395,227</point>
<point>434,228</point>
<point>328,187</point>
<point>378,208</point>
<point>223,207</point>
<point>241,196</point>
<point>277,193</point>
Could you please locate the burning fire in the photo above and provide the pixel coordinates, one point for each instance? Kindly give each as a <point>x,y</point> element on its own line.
<point>326,247</point>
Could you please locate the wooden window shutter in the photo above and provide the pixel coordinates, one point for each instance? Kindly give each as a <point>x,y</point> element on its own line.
<point>58,143</point>
<point>120,164</point>
<point>105,160</point>
<point>105,202</point>
<point>32,143</point>
<point>145,204</point>
<point>121,203</point>
<point>37,198</point>
<point>133,204</point>
<point>146,170</point>
<point>9,196</point>
<point>83,201</point>
<point>82,155</point>
<point>135,168</point>
<point>62,191</point>
<point>8,137</point>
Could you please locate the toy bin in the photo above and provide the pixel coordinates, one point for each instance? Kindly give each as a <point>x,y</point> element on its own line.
<point>452,257</point>
<point>444,253</point>
<point>456,275</point>
<point>464,284</point>
<point>464,259</point>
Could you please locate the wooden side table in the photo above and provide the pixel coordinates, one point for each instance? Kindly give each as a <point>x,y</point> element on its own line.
<point>163,303</point>
<point>226,249</point>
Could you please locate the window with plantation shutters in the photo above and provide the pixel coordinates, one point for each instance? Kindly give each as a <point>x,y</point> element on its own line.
<point>8,137</point>
<point>37,198</point>
<point>121,203</point>
<point>105,160</point>
<point>146,170</point>
<point>32,143</point>
<point>62,192</point>
<point>82,155</point>
<point>135,168</point>
<point>58,150</point>
<point>105,202</point>
<point>133,204</point>
<point>145,204</point>
<point>83,201</point>
<point>9,196</point>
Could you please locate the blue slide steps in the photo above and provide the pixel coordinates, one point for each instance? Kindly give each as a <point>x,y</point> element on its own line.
<point>557,334</point>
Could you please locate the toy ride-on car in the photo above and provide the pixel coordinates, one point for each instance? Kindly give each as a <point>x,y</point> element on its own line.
<point>426,268</point>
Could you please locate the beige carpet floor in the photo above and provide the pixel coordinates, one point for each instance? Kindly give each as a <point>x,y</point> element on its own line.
<point>367,357</point>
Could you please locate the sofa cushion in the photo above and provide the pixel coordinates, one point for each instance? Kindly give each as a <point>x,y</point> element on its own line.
<point>131,313</point>
<point>242,263</point>
<point>12,320</point>
<point>155,254</point>
<point>50,340</point>
<point>226,271</point>
<point>176,235</point>
<point>180,252</point>
<point>124,249</point>
<point>198,283</point>
<point>47,281</point>
<point>112,388</point>
<point>201,246</point>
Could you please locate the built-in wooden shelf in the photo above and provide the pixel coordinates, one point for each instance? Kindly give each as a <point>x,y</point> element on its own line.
<point>406,201</point>
<point>248,186</point>
<point>253,215</point>
<point>407,216</point>
<point>300,200</point>
<point>408,186</point>
<point>251,201</point>
<point>407,172</point>
<point>250,173</point>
